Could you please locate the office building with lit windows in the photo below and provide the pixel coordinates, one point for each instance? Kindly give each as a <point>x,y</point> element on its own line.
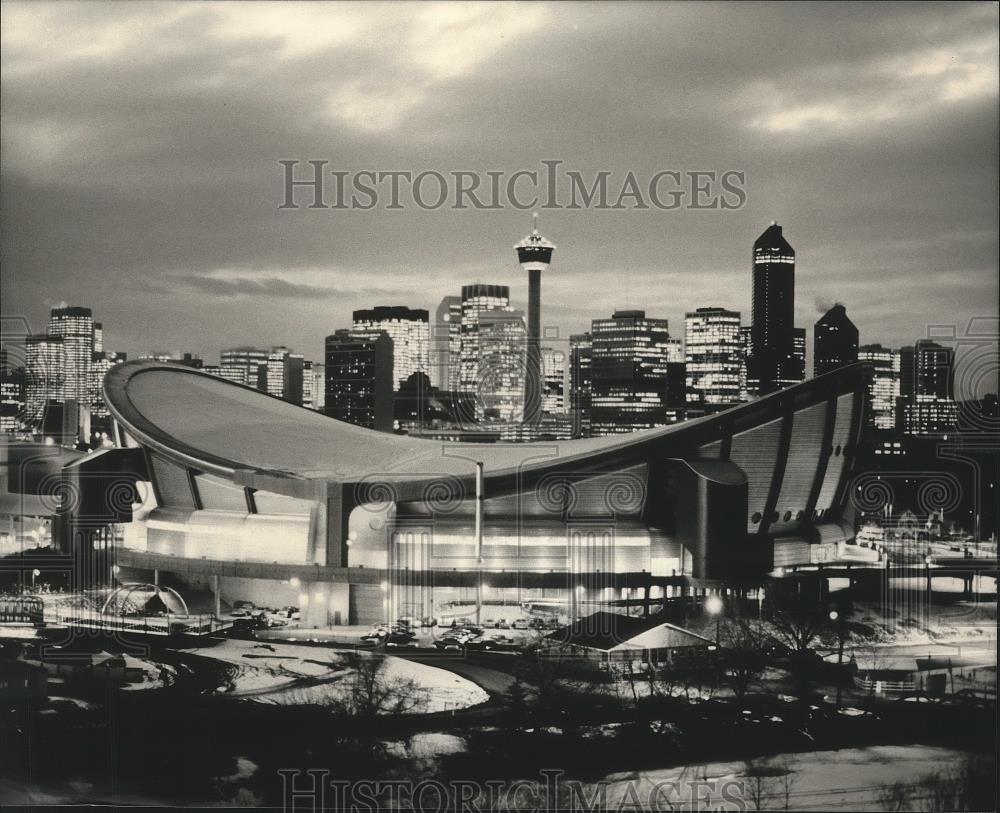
<point>581,347</point>
<point>883,388</point>
<point>553,381</point>
<point>835,341</point>
<point>502,378</point>
<point>409,330</point>
<point>713,357</point>
<point>777,348</point>
<point>99,366</point>
<point>241,364</point>
<point>630,385</point>
<point>44,375</point>
<point>477,299</point>
<point>75,326</point>
<point>359,378</point>
<point>446,344</point>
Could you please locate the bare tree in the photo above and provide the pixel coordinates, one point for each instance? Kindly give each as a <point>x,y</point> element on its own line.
<point>786,782</point>
<point>369,692</point>
<point>742,659</point>
<point>760,778</point>
<point>800,632</point>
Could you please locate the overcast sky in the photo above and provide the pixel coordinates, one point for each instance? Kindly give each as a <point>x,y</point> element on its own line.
<point>140,149</point>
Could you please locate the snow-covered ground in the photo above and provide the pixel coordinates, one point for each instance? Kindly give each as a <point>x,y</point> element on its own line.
<point>848,779</point>
<point>274,672</point>
<point>266,667</point>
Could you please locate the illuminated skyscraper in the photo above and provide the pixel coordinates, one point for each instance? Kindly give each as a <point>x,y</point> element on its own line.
<point>553,381</point>
<point>76,328</point>
<point>580,381</point>
<point>744,357</point>
<point>835,341</point>
<point>409,330</point>
<point>502,366</point>
<point>795,365</point>
<point>359,371</point>
<point>633,384</point>
<point>927,389</point>
<point>44,375</point>
<point>934,369</point>
<point>477,299</point>
<point>446,344</point>
<point>240,364</point>
<point>319,386</point>
<point>775,360</point>
<point>308,393</point>
<point>713,357</point>
<point>883,388</point>
<point>271,377</point>
<point>534,253</point>
<point>99,365</point>
<point>11,394</point>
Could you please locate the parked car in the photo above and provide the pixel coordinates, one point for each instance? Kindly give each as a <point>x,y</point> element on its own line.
<point>397,640</point>
<point>450,643</point>
<point>520,624</point>
<point>493,645</point>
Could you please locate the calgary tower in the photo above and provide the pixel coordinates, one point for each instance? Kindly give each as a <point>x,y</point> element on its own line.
<point>534,253</point>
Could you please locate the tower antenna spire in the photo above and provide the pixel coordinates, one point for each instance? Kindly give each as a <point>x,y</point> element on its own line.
<point>534,221</point>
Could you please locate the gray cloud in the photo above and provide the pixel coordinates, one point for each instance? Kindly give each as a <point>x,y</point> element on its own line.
<point>243,286</point>
<point>140,147</point>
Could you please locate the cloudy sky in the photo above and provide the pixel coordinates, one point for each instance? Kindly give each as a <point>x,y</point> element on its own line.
<point>140,148</point>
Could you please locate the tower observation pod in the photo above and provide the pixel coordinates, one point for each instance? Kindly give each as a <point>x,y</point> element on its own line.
<point>534,253</point>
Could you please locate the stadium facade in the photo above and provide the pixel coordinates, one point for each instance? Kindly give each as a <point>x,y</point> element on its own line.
<point>253,498</point>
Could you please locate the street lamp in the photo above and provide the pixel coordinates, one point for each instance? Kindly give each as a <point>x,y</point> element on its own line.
<point>713,606</point>
<point>836,618</point>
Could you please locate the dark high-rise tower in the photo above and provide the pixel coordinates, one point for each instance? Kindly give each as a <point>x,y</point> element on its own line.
<point>773,362</point>
<point>534,253</point>
<point>835,341</point>
<point>637,374</point>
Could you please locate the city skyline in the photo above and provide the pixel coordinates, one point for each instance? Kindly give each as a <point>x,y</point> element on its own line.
<point>139,218</point>
<point>552,333</point>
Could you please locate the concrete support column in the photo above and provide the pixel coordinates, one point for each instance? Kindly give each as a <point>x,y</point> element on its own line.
<point>216,595</point>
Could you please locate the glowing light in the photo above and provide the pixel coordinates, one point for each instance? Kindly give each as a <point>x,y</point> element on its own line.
<point>713,605</point>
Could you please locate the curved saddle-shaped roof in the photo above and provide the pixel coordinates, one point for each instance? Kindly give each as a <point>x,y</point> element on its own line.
<point>218,426</point>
